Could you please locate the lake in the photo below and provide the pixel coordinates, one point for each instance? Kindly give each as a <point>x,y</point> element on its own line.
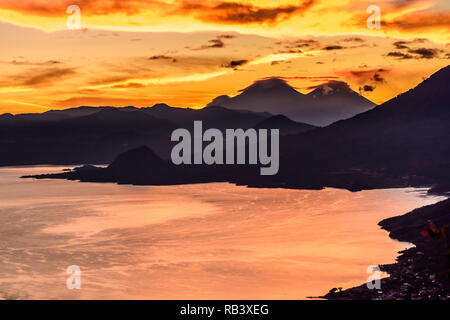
<point>203,241</point>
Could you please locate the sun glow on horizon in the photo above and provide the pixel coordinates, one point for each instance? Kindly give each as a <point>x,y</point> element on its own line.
<point>186,53</point>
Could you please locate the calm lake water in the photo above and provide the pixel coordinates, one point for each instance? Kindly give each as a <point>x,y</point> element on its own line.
<point>205,241</point>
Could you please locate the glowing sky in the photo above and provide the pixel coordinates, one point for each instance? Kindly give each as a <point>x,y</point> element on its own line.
<point>185,53</point>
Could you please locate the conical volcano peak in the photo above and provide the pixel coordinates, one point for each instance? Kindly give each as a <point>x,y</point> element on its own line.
<point>271,84</point>
<point>332,87</point>
<point>161,106</point>
<point>327,103</point>
<point>219,100</point>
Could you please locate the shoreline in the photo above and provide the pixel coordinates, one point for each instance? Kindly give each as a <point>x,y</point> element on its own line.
<point>420,272</point>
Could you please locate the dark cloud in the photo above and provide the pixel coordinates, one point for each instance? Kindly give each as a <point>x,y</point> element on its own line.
<point>334,83</point>
<point>89,7</point>
<point>333,47</point>
<point>419,21</point>
<point>40,77</point>
<point>399,55</point>
<point>365,75</point>
<point>400,4</point>
<point>29,63</point>
<point>377,78</point>
<point>367,78</point>
<point>291,51</point>
<point>425,53</point>
<point>401,44</point>
<point>367,88</point>
<point>306,43</point>
<point>226,36</point>
<point>278,62</point>
<point>214,43</point>
<point>414,21</point>
<point>162,57</point>
<point>354,39</point>
<point>131,85</point>
<point>310,78</point>
<point>419,53</point>
<point>225,12</point>
<point>299,43</point>
<point>237,12</point>
<point>296,46</point>
<point>235,63</point>
<point>405,44</point>
<point>234,12</point>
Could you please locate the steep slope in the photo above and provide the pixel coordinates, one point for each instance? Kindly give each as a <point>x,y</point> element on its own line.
<point>271,95</point>
<point>406,139</point>
<point>335,100</point>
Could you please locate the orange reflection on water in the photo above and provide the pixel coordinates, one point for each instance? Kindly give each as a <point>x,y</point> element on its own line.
<point>205,241</point>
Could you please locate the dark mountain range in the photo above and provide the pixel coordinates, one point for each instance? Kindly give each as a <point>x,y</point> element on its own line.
<point>97,134</point>
<point>286,125</point>
<point>403,142</point>
<point>69,113</point>
<point>94,138</point>
<point>326,104</point>
<point>213,117</point>
<point>406,140</point>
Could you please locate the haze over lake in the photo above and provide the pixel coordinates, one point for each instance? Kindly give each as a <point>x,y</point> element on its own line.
<point>204,241</point>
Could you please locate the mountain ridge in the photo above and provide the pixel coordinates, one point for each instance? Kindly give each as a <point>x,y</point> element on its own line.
<point>276,96</point>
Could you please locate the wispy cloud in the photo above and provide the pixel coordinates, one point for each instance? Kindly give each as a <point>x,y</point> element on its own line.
<point>364,75</point>
<point>36,77</point>
<point>235,63</point>
<point>212,44</point>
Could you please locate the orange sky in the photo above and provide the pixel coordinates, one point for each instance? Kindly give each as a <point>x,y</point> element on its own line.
<point>185,53</point>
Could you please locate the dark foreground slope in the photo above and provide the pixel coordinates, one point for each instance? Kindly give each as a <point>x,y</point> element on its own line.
<point>405,141</point>
<point>421,272</point>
